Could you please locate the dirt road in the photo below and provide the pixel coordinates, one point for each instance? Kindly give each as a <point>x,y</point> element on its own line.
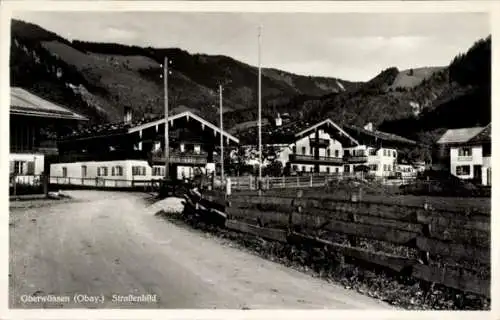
<point>107,248</point>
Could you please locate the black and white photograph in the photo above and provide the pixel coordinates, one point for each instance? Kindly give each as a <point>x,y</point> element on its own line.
<point>249,160</point>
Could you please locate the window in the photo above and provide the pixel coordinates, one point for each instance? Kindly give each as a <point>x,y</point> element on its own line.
<point>303,168</point>
<point>394,154</point>
<point>102,171</point>
<point>303,150</point>
<point>138,171</point>
<point>311,151</point>
<point>336,153</point>
<point>336,170</point>
<point>84,171</point>
<point>327,152</point>
<point>327,169</point>
<point>197,149</point>
<point>373,152</point>
<point>19,167</point>
<point>294,149</point>
<point>465,152</point>
<point>346,168</point>
<point>158,171</point>
<point>64,172</point>
<point>117,171</point>
<point>183,147</point>
<point>311,169</point>
<point>373,167</point>
<point>463,170</point>
<point>295,168</point>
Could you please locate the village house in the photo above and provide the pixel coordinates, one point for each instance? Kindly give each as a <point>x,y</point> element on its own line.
<point>35,124</point>
<point>466,153</point>
<point>325,147</point>
<point>134,150</point>
<point>376,149</point>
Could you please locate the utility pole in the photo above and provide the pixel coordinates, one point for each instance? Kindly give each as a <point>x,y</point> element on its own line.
<point>167,147</point>
<point>260,109</point>
<point>221,137</point>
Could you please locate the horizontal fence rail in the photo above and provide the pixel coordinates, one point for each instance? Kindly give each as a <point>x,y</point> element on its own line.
<point>450,247</point>
<point>284,182</point>
<point>100,182</point>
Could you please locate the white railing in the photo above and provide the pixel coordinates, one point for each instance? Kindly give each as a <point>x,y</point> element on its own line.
<point>304,181</point>
<point>464,158</point>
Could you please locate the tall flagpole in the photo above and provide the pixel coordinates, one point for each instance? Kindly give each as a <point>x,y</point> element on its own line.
<point>260,109</point>
<point>167,147</point>
<point>221,138</point>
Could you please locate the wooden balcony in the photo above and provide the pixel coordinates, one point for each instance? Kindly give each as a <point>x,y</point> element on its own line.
<point>355,159</point>
<point>189,158</point>
<point>320,142</point>
<point>299,158</point>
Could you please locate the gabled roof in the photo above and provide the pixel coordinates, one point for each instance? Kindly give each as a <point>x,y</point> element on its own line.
<point>461,135</point>
<point>24,103</point>
<point>288,133</point>
<point>327,122</point>
<point>185,114</point>
<point>384,136</point>
<point>482,137</point>
<point>120,128</point>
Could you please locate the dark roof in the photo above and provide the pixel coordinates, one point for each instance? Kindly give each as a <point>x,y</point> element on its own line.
<point>482,137</point>
<point>24,103</point>
<point>385,136</point>
<point>285,134</point>
<point>124,128</point>
<point>461,135</point>
<point>272,135</point>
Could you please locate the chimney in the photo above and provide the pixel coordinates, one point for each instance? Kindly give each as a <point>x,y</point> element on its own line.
<point>128,115</point>
<point>369,126</point>
<point>278,120</point>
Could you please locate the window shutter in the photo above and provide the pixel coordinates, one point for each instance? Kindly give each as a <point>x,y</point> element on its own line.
<point>31,167</point>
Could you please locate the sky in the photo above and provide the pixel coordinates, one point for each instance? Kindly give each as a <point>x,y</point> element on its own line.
<point>350,46</point>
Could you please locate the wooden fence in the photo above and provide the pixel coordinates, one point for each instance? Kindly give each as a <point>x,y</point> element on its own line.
<point>449,247</point>
<point>285,182</point>
<point>105,183</point>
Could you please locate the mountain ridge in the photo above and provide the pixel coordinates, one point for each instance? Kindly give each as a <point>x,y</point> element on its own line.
<point>101,80</point>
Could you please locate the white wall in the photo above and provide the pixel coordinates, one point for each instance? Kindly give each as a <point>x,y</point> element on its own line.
<point>486,171</point>
<point>334,145</point>
<point>304,142</point>
<point>74,171</point>
<point>38,158</point>
<point>475,159</point>
<point>384,157</point>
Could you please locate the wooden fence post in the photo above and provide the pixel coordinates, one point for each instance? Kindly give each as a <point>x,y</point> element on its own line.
<point>311,181</point>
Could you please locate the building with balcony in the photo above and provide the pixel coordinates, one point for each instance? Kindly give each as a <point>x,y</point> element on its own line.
<point>376,150</point>
<point>35,124</point>
<point>303,147</point>
<point>193,144</point>
<point>467,152</point>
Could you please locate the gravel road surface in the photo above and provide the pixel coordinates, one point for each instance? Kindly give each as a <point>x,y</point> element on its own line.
<point>108,250</point>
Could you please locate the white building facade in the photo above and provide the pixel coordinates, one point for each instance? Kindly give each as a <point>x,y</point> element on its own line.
<point>469,153</point>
